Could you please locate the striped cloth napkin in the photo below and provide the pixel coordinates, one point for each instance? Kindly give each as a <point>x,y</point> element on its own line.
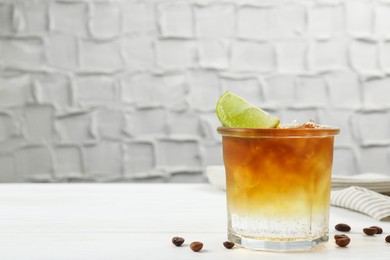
<point>362,200</point>
<point>372,181</point>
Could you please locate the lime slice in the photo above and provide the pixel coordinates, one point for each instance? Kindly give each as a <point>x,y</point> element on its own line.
<point>234,111</point>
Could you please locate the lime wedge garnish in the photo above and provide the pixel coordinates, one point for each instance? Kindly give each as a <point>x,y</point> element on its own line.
<point>234,111</point>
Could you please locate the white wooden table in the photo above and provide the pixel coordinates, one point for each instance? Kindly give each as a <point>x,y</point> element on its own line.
<point>137,221</point>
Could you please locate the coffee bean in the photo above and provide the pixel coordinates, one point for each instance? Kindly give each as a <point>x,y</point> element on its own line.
<point>228,244</point>
<point>343,241</point>
<point>196,246</point>
<point>177,241</point>
<point>370,231</point>
<point>379,230</point>
<point>387,239</point>
<point>342,227</point>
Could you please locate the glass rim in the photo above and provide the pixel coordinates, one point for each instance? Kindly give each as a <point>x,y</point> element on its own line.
<point>325,130</point>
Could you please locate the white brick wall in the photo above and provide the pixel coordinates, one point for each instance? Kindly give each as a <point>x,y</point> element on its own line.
<point>125,90</point>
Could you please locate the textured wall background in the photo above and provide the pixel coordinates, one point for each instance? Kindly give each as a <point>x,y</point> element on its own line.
<point>125,90</point>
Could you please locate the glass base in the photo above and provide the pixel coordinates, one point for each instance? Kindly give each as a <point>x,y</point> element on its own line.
<point>277,246</point>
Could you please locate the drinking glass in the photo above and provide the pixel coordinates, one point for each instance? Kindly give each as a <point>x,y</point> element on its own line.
<point>278,186</point>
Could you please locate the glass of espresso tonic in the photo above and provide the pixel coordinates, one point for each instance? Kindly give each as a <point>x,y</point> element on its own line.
<point>278,185</point>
